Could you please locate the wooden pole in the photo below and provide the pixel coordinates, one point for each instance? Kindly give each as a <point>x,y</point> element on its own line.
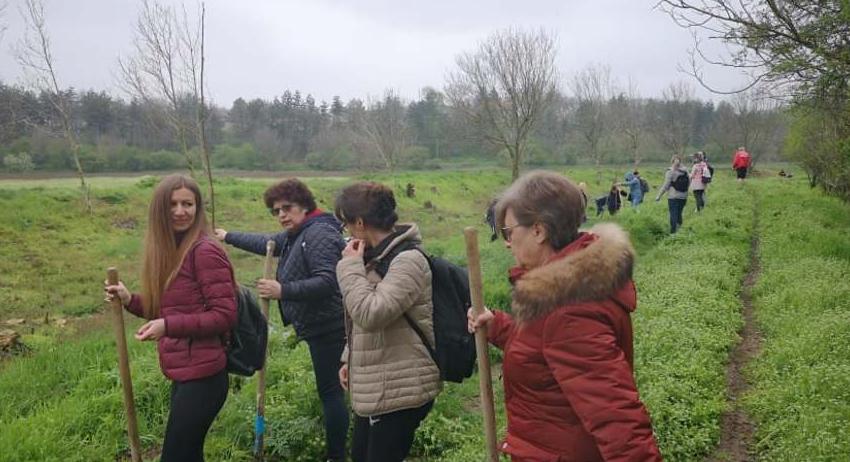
<point>485,379</point>
<point>260,420</point>
<point>124,368</point>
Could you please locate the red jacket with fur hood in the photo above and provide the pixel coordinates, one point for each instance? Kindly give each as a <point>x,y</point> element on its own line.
<point>199,307</point>
<point>569,388</point>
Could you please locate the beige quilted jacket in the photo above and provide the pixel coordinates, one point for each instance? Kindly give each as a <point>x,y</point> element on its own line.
<point>389,367</point>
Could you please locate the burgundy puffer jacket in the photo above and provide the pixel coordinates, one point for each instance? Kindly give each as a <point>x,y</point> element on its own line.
<point>569,389</point>
<point>199,307</point>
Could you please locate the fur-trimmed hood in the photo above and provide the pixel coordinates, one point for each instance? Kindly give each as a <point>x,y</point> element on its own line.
<point>594,267</point>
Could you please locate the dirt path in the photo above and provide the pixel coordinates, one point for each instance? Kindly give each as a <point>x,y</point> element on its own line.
<point>736,429</point>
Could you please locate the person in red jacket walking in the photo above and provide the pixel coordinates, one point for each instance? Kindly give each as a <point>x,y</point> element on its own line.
<point>570,391</point>
<point>189,299</point>
<point>741,163</point>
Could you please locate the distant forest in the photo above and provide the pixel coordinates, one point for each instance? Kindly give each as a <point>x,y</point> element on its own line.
<point>296,131</point>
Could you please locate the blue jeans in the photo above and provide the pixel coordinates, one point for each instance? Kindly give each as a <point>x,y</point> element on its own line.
<point>676,206</point>
<point>325,352</point>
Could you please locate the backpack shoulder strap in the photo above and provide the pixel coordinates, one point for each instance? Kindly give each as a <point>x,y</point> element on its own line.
<point>431,350</point>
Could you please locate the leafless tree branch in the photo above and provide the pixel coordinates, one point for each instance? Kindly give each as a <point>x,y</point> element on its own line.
<point>34,54</point>
<point>504,86</point>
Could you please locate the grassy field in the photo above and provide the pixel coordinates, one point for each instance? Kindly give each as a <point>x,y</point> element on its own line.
<point>63,400</point>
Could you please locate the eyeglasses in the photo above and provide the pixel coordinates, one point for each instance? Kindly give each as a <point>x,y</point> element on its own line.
<point>507,231</point>
<point>285,208</point>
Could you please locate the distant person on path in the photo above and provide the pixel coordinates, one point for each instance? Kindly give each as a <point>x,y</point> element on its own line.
<point>632,181</point>
<point>700,177</point>
<point>570,391</point>
<point>189,299</point>
<point>742,163</point>
<point>306,289</point>
<point>386,287</point>
<point>490,218</point>
<point>614,202</point>
<point>676,182</point>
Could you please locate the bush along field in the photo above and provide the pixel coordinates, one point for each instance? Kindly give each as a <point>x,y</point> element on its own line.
<point>62,400</point>
<point>801,393</point>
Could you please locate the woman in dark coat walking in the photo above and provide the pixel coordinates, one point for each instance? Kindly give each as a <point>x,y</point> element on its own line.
<point>306,289</point>
<point>570,391</point>
<point>189,298</point>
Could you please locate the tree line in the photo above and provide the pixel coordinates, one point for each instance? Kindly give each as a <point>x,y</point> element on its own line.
<point>387,132</point>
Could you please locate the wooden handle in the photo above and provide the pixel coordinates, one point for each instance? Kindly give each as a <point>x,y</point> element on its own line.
<point>485,379</point>
<point>260,424</point>
<point>124,368</point>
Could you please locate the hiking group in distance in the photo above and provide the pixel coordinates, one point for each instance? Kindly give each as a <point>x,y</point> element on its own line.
<point>678,180</point>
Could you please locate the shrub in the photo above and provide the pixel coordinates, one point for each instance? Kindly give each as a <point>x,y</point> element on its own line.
<point>18,163</point>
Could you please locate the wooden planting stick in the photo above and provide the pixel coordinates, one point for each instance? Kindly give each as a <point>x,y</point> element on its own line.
<point>260,420</point>
<point>124,368</point>
<point>485,381</point>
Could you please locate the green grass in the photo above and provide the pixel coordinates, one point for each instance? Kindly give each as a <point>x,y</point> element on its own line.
<point>801,396</point>
<point>63,401</point>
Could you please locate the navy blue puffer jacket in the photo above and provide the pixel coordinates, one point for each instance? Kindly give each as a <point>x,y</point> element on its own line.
<point>311,301</point>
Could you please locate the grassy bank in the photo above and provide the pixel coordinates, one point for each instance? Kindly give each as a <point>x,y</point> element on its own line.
<point>63,401</point>
<point>801,394</point>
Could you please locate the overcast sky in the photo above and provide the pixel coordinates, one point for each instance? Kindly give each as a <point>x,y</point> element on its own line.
<point>359,48</point>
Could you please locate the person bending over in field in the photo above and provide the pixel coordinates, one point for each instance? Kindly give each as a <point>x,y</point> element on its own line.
<point>189,299</point>
<point>570,391</point>
<point>386,287</point>
<point>632,181</point>
<point>306,290</point>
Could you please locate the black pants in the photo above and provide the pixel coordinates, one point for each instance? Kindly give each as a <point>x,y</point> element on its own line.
<point>194,405</point>
<point>676,206</point>
<point>699,195</point>
<point>742,172</point>
<point>325,352</point>
<point>387,437</point>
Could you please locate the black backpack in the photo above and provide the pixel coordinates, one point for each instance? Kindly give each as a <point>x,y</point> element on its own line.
<point>644,186</point>
<point>454,352</point>
<point>681,182</point>
<point>247,341</point>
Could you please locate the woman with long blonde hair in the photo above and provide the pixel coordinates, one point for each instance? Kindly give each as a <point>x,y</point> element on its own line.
<point>188,297</point>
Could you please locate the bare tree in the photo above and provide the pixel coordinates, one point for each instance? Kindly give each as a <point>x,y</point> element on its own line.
<point>193,44</point>
<point>504,87</point>
<point>3,25</point>
<point>675,117</point>
<point>35,56</point>
<point>162,70</point>
<point>592,88</point>
<point>778,43</point>
<point>632,121</point>
<point>755,120</point>
<point>386,128</point>
<point>168,71</point>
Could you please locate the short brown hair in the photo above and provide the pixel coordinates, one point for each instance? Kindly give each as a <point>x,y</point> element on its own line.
<point>371,202</point>
<point>293,190</point>
<point>546,198</point>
